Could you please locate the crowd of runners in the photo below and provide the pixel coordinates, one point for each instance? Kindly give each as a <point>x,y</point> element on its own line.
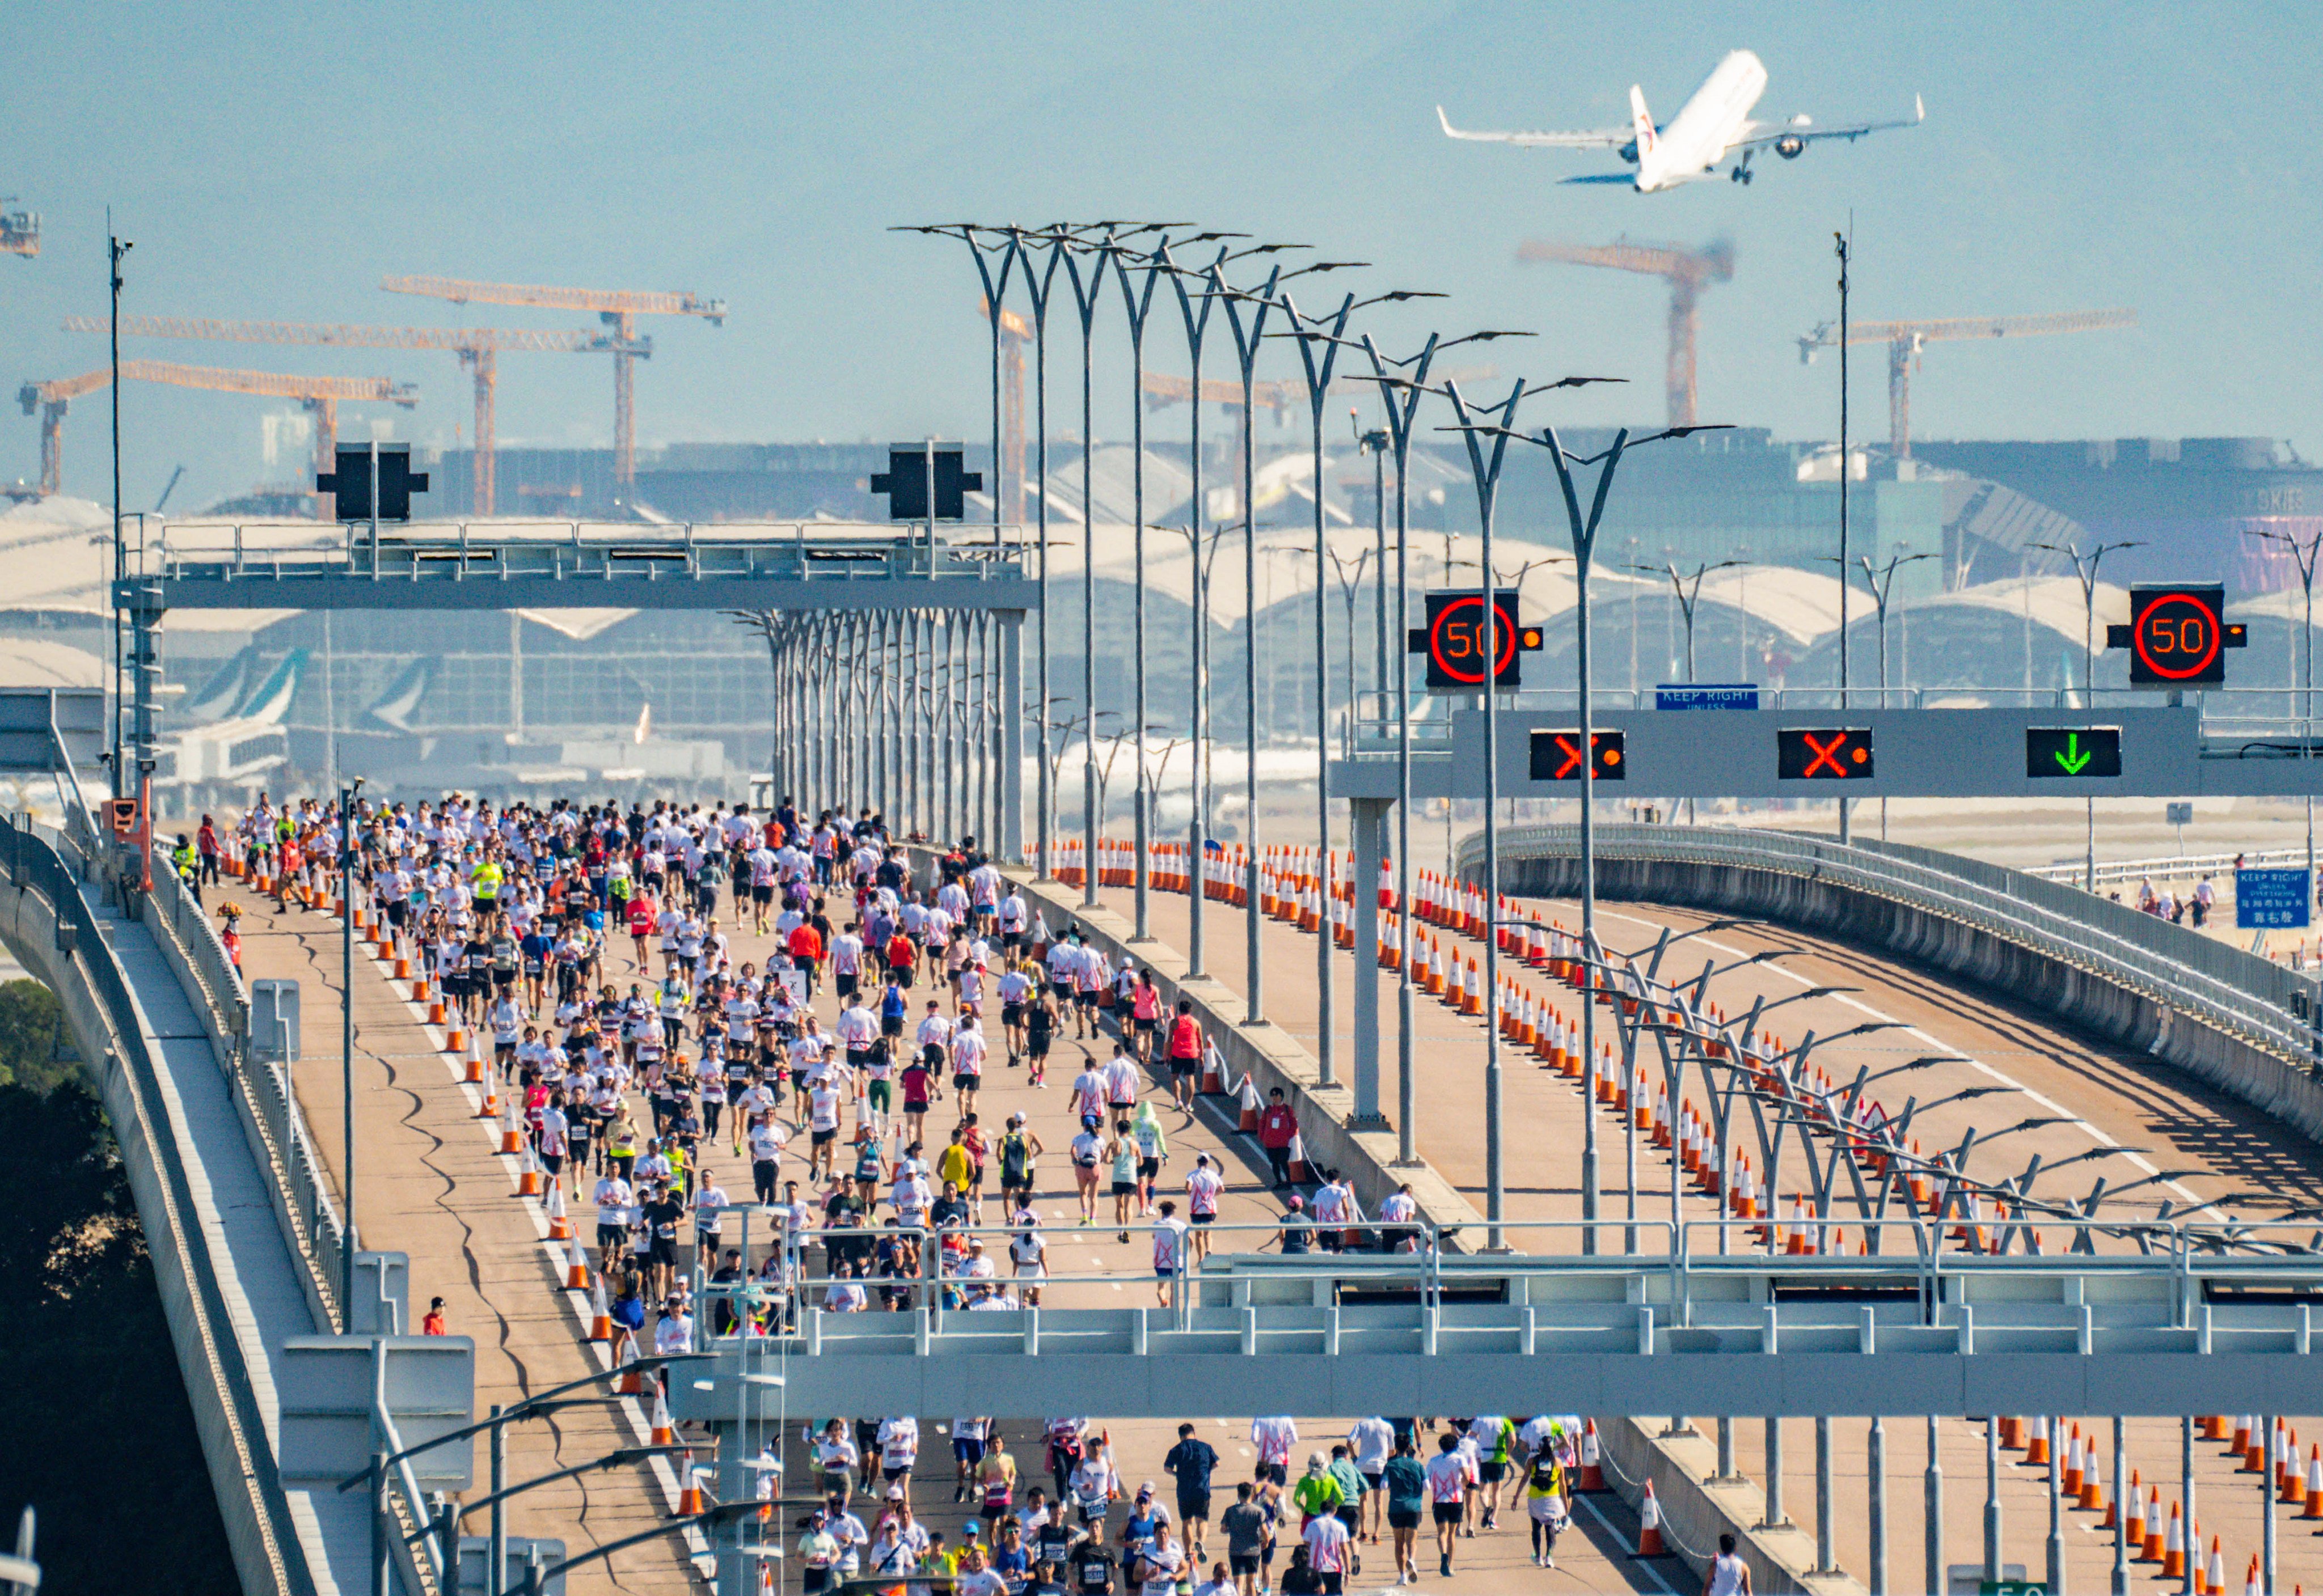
<point>1385,1483</point>
<point>601,955</point>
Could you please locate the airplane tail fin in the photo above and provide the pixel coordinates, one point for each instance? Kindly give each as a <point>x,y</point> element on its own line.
<point>1641,122</point>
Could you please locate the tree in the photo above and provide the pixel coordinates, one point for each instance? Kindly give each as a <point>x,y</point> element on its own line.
<point>32,1034</point>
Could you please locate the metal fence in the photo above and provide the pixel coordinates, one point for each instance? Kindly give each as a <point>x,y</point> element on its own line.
<point>2181,866</point>
<point>288,1157</point>
<point>2238,993</point>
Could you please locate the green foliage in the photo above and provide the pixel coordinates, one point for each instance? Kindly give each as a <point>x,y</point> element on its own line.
<point>32,1033</point>
<point>99,1417</point>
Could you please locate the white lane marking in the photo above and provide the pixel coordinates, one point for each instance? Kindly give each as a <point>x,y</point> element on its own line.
<point>1646,1564</point>
<point>2094,1133</point>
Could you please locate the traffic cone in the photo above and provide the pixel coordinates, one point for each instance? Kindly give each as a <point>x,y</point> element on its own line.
<point>1592,1466</point>
<point>2134,1532</point>
<point>631,1384</point>
<point>1649,1525</point>
<point>2214,1427</point>
<point>1247,1104</point>
<point>2293,1488</point>
<point>601,1320</point>
<point>2173,1550</point>
<point>665,1433</point>
<point>2093,1496</point>
<point>2072,1459</point>
<point>1798,1228</point>
<point>2242,1427</point>
<point>434,1010</point>
<point>576,1271</point>
<point>511,1135</point>
<point>689,1491</point>
<point>1297,1159</point>
<point>528,1174</point>
<point>2037,1451</point>
<point>2250,1581</point>
<point>560,1226</point>
<point>490,1108</point>
<point>2255,1453</point>
<point>475,1073</point>
<point>456,1040</point>
<point>2215,1576</point>
<point>2314,1508</point>
<point>2012,1435</point>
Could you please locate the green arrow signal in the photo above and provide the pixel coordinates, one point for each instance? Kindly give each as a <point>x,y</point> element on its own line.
<point>2073,759</point>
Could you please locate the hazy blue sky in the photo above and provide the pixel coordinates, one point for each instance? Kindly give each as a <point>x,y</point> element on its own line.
<point>275,160</point>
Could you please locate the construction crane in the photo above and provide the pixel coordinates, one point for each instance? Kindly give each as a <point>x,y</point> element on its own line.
<point>19,231</point>
<point>617,308</point>
<point>1687,271</point>
<point>1905,338</point>
<point>319,395</point>
<point>479,349</point>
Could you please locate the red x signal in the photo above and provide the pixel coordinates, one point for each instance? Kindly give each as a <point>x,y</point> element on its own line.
<point>1557,755</point>
<point>1823,754</point>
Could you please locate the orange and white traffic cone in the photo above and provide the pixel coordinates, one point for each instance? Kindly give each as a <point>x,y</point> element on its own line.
<point>665,1433</point>
<point>2214,1427</point>
<point>2072,1460</point>
<point>1246,1106</point>
<point>2250,1581</point>
<point>511,1135</point>
<point>2213,1577</point>
<point>528,1174</point>
<point>2149,1546</point>
<point>1593,1462</point>
<point>601,1318</point>
<point>2132,1534</point>
<point>689,1489</point>
<point>560,1225</point>
<point>2243,1425</point>
<point>2037,1451</point>
<point>475,1072</point>
<point>2314,1508</point>
<point>631,1383</point>
<point>2093,1496</point>
<point>2291,1490</point>
<point>456,1040</point>
<point>576,1269</point>
<point>1798,1247</point>
<point>2173,1546</point>
<point>1649,1525</point>
<point>1298,1158</point>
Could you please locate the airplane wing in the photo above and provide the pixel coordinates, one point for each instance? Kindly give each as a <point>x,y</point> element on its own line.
<point>1611,138</point>
<point>1760,134</point>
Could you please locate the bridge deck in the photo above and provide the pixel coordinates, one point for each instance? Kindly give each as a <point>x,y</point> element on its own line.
<point>2217,1147</point>
<point>430,1184</point>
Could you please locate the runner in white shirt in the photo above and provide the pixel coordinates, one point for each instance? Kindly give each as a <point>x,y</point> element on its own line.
<point>967,1052</point>
<point>1169,1251</point>
<point>1328,1547</point>
<point>899,1449</point>
<point>1449,1475</point>
<point>1371,1442</point>
<point>1202,1189</point>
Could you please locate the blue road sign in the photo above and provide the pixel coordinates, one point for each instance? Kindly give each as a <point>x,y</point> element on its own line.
<point>2272,899</point>
<point>1707,695</point>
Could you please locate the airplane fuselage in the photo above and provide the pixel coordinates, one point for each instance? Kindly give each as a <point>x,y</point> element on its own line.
<point>1712,121</point>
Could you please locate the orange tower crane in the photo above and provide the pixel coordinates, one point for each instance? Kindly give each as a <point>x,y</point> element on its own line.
<point>617,308</point>
<point>1905,338</point>
<point>479,349</point>
<point>1686,271</point>
<point>319,395</point>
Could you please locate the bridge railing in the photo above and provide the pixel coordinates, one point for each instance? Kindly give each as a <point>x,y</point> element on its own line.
<point>287,1155</point>
<point>2220,985</point>
<point>46,864</point>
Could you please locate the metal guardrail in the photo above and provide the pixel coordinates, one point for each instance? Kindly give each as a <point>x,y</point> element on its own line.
<point>2236,992</point>
<point>51,866</point>
<point>420,551</point>
<point>290,1158</point>
<point>2178,866</point>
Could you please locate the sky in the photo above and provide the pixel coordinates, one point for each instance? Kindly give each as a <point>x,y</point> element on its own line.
<point>276,161</point>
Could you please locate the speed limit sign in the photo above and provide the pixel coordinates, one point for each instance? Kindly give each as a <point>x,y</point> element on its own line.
<point>2176,637</point>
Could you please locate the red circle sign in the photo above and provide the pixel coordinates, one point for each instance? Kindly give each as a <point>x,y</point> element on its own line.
<point>2177,637</point>
<point>1504,634</point>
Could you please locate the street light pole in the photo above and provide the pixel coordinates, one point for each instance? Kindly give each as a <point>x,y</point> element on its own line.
<point>1138,304</point>
<point>1085,301</point>
<point>1584,543</point>
<point>1246,343</point>
<point>1037,289</point>
<point>1839,243</point>
<point>2305,555</point>
<point>2084,570</point>
<point>1198,674</point>
<point>1487,474</point>
<point>1318,371</point>
<point>347,1047</point>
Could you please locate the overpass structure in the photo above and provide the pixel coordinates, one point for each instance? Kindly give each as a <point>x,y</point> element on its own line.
<point>1949,1311</point>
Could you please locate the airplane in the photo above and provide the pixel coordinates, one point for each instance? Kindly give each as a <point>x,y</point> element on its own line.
<point>1713,124</point>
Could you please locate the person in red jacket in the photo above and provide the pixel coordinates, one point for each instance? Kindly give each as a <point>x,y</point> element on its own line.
<point>1278,1127</point>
